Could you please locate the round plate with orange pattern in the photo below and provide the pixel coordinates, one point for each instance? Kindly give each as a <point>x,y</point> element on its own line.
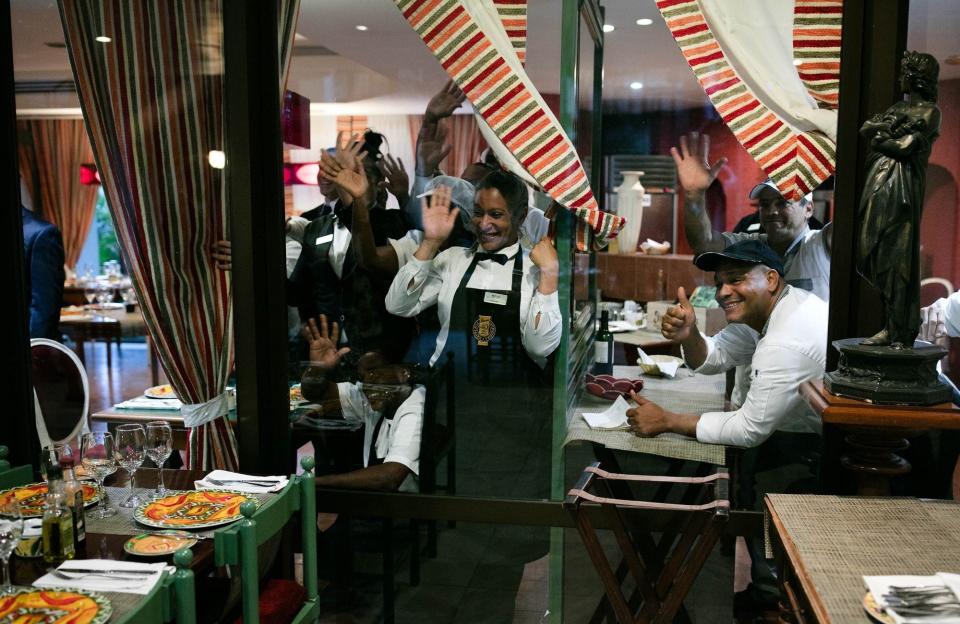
<point>31,497</point>
<point>54,606</point>
<point>193,510</point>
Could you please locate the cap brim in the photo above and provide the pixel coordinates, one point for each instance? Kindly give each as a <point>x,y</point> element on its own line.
<point>766,184</point>
<point>710,260</point>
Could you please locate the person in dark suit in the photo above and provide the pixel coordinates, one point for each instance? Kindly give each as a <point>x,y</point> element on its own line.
<point>43,254</point>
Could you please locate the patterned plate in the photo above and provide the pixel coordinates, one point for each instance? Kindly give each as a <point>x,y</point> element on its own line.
<point>54,606</point>
<point>31,497</point>
<point>159,544</point>
<point>193,510</point>
<point>160,392</point>
<point>875,612</point>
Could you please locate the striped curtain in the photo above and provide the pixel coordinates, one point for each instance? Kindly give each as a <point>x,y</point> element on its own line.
<point>471,43</point>
<point>780,100</point>
<point>152,101</point>
<point>50,154</point>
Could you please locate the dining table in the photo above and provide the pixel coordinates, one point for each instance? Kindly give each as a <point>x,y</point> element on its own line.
<point>111,322</point>
<point>106,539</point>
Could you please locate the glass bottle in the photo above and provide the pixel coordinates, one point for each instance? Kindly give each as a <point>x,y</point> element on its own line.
<point>73,495</point>
<point>603,347</point>
<point>57,527</point>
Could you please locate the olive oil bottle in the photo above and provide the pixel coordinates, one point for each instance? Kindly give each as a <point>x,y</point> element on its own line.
<point>57,527</point>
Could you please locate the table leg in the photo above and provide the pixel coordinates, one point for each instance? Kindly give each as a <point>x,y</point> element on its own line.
<point>152,356</point>
<point>873,457</point>
<point>81,352</point>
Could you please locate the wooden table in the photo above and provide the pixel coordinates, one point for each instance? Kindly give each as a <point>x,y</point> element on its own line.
<point>651,341</point>
<point>109,325</point>
<point>825,544</point>
<point>876,434</point>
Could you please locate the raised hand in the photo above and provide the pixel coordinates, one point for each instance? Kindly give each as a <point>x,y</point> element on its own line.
<point>323,343</point>
<point>431,148</point>
<point>693,163</point>
<point>438,217</point>
<point>544,255</point>
<point>444,102</point>
<point>395,177</point>
<point>679,321</point>
<point>345,167</point>
<point>223,255</point>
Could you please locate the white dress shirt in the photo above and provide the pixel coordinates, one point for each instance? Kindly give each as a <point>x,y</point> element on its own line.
<point>420,284</point>
<point>399,437</point>
<point>790,350</point>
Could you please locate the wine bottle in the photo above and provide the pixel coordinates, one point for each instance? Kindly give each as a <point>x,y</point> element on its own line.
<point>57,527</point>
<point>603,347</point>
<point>73,493</point>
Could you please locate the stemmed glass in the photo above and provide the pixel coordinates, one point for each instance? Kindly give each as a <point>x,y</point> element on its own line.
<point>131,441</point>
<point>159,447</point>
<point>99,460</point>
<point>90,292</point>
<point>11,527</point>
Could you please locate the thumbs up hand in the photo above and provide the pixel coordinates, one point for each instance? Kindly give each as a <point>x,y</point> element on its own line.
<point>680,320</point>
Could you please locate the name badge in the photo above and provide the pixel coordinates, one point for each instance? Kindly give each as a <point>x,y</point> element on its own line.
<point>495,298</point>
<point>324,239</point>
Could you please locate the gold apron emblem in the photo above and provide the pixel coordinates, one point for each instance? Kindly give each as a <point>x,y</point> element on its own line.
<point>484,330</point>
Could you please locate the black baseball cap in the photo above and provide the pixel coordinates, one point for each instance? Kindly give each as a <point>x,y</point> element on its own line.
<point>746,251</point>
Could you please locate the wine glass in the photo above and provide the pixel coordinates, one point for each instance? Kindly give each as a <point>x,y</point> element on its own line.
<point>99,460</point>
<point>131,440</point>
<point>48,457</point>
<point>159,447</point>
<point>90,292</point>
<point>11,527</point>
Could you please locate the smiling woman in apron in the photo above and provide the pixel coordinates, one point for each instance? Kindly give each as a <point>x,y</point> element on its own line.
<point>500,301</point>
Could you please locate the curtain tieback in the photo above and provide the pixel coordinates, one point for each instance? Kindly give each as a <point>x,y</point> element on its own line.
<point>196,414</point>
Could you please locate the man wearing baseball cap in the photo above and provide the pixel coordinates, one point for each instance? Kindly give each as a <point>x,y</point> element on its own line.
<point>778,329</point>
<point>806,252</point>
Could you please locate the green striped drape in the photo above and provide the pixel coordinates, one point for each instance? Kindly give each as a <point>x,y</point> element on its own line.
<point>152,102</point>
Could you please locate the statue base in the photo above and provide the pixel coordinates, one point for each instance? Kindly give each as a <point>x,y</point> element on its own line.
<point>885,375</point>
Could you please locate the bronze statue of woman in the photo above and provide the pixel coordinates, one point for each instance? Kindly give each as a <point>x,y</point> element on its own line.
<point>888,245</point>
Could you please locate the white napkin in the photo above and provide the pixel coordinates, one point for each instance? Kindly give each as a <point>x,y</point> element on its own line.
<point>667,368</point>
<point>126,585</point>
<point>614,417</point>
<point>146,403</point>
<point>880,585</point>
<point>223,475</point>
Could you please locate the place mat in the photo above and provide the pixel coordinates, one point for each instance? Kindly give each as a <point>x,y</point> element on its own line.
<point>666,445</point>
<point>687,393</point>
<point>122,523</point>
<point>842,539</point>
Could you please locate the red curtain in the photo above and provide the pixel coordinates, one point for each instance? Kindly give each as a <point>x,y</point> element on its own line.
<point>51,152</point>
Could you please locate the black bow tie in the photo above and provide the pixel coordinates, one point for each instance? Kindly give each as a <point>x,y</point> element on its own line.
<point>496,257</point>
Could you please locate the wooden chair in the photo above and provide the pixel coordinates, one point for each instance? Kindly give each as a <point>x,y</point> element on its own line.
<point>173,599</point>
<point>663,571</point>
<point>61,392</point>
<point>237,545</point>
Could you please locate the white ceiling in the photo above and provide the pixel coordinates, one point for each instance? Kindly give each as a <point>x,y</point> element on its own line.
<point>387,69</point>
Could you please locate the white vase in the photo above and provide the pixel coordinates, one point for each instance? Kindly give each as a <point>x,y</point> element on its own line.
<point>630,207</point>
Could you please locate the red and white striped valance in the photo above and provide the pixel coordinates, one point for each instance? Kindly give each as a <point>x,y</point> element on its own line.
<point>490,74</point>
<point>798,154</point>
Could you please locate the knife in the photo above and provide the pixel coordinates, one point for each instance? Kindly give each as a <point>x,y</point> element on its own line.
<point>96,571</point>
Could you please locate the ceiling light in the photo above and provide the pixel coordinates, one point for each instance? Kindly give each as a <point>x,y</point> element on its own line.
<point>609,28</point>
<point>103,39</point>
<point>217,159</point>
<point>361,27</point>
<point>636,85</point>
<point>644,21</point>
<point>797,62</point>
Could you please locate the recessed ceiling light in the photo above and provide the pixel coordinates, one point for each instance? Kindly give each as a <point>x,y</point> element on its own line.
<point>361,27</point>
<point>797,62</point>
<point>644,21</point>
<point>636,85</point>
<point>609,28</point>
<point>103,39</point>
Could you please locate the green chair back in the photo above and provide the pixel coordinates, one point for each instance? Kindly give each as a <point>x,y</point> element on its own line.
<point>10,476</point>
<point>237,544</point>
<point>171,600</point>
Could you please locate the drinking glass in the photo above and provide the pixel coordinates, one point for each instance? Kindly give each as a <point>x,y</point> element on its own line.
<point>90,292</point>
<point>11,527</point>
<point>48,457</point>
<point>99,460</point>
<point>129,449</point>
<point>159,447</point>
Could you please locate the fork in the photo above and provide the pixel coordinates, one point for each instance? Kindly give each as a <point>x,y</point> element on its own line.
<point>76,576</point>
<point>258,483</point>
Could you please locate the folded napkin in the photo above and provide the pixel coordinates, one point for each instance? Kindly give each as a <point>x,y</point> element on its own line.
<point>880,585</point>
<point>146,403</point>
<point>614,417</point>
<point>115,581</point>
<point>667,366</point>
<point>231,481</point>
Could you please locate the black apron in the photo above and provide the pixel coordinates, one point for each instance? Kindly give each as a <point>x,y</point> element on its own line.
<point>503,406</point>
